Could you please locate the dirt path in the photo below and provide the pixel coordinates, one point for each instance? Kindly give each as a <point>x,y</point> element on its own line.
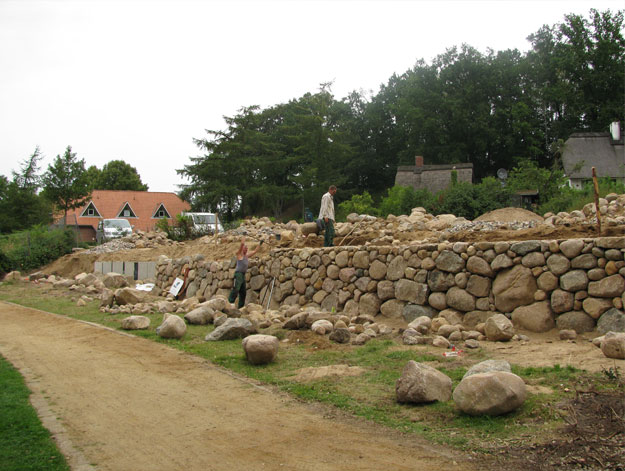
<point>119,402</point>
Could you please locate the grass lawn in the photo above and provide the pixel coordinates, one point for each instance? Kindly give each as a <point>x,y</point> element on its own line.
<point>24,443</point>
<point>370,395</point>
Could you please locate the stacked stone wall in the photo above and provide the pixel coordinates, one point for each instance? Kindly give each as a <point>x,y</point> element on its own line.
<point>540,284</point>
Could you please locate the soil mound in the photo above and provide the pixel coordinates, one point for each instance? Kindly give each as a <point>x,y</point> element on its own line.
<point>510,215</point>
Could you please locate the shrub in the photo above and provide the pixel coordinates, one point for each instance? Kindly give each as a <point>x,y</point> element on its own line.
<point>401,200</point>
<point>38,246</point>
<point>360,204</point>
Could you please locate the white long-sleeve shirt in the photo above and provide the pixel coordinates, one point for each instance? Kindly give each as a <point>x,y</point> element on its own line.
<point>327,207</point>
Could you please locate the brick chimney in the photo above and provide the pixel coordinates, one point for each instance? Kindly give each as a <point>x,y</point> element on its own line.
<point>418,161</point>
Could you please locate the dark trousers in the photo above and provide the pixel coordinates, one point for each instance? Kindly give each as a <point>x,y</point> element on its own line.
<point>239,289</point>
<point>328,238</point>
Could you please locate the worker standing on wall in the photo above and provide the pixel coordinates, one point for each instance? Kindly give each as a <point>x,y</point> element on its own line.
<point>326,212</point>
<point>239,289</point>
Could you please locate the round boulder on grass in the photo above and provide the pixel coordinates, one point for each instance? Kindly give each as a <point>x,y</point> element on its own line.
<point>492,393</point>
<point>421,383</point>
<point>260,349</point>
<point>135,323</point>
<point>173,327</point>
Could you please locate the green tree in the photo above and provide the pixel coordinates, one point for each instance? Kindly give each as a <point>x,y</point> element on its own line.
<point>527,175</point>
<point>65,182</point>
<point>20,204</point>
<point>119,175</point>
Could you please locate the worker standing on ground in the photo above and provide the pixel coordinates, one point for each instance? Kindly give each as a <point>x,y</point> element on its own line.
<point>326,212</point>
<point>239,289</point>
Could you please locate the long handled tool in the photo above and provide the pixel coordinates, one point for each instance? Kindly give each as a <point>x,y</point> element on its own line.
<point>348,234</point>
<point>273,281</point>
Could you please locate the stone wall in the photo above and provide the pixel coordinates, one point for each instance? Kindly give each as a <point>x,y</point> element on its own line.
<point>540,284</point>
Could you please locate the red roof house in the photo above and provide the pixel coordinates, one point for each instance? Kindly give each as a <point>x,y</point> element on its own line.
<point>143,209</point>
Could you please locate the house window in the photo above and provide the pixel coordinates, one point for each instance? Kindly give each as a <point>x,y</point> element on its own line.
<point>161,213</point>
<point>90,211</point>
<point>127,212</point>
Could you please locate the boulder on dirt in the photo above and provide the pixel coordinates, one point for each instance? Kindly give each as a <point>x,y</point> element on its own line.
<point>536,317</point>
<point>578,321</point>
<point>340,335</point>
<point>13,276</point>
<point>296,322</point>
<point>130,296</point>
<point>322,327</point>
<point>421,324</point>
<point>85,279</point>
<point>612,320</point>
<point>260,349</point>
<point>488,366</point>
<point>201,315</point>
<point>411,337</point>
<point>492,393</point>
<point>135,323</point>
<point>421,383</point>
<point>232,329</point>
<point>114,280</point>
<point>413,311</point>
<point>613,345</point>
<point>107,298</point>
<point>498,328</point>
<point>173,327</point>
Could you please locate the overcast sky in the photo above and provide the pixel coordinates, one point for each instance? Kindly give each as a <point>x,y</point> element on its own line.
<point>137,80</point>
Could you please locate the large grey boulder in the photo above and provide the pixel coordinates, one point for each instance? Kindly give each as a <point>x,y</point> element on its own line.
<point>201,315</point>
<point>440,281</point>
<point>296,322</point>
<point>575,280</point>
<point>260,349</point>
<point>135,323</point>
<point>498,328</point>
<point>114,280</point>
<point>493,393</point>
<point>487,366</point>
<point>513,288</point>
<point>130,296</point>
<point>460,299</point>
<point>173,327</point>
<point>369,303</point>
<point>612,320</point>
<point>578,321</point>
<point>421,383</point>
<point>536,317</point>
<point>86,279</point>
<point>322,327</point>
<point>412,311</point>
<point>232,329</point>
<point>449,261</point>
<point>340,335</point>
<point>613,345</point>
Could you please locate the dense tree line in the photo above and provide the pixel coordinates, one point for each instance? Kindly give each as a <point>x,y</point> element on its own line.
<point>493,109</point>
<point>32,198</point>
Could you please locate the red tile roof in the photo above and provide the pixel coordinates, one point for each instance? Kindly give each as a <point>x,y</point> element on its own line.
<point>144,204</point>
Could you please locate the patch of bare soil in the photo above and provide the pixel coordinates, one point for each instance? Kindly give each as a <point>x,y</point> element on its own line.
<point>592,440</point>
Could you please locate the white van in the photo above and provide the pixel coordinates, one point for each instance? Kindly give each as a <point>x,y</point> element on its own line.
<point>112,229</point>
<point>205,221</point>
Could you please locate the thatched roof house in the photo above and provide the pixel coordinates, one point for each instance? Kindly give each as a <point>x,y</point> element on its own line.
<point>601,150</point>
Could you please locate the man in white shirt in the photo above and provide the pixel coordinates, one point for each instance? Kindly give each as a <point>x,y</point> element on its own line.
<point>326,212</point>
